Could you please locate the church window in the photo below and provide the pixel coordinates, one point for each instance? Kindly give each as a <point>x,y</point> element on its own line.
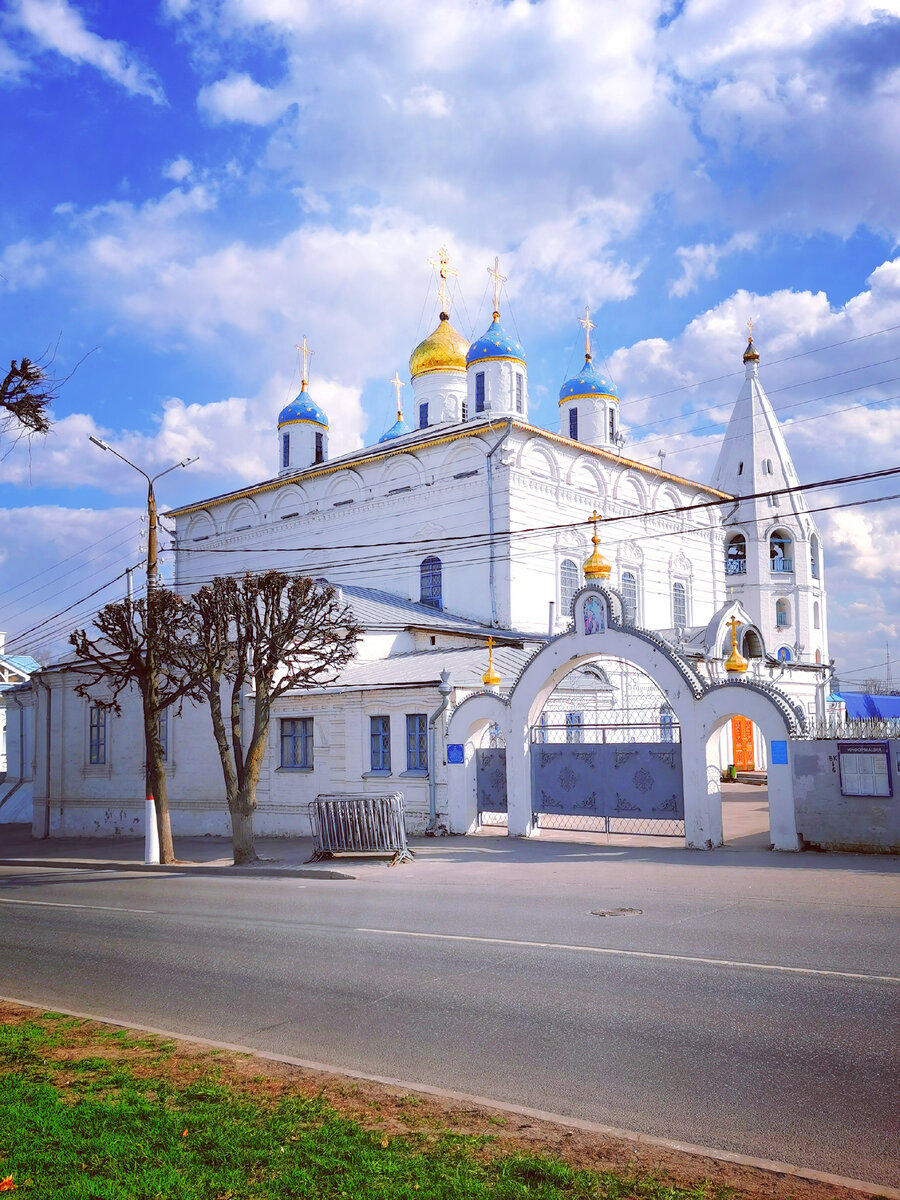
<point>297,743</point>
<point>818,657</point>
<point>782,614</point>
<point>780,559</point>
<point>465,411</point>
<point>97,736</point>
<point>416,742</point>
<point>320,448</point>
<point>666,724</point>
<point>612,424</point>
<point>423,415</point>
<point>569,580</point>
<point>520,393</point>
<point>817,621</point>
<point>431,583</point>
<point>380,738</point>
<point>629,596</point>
<point>768,468</point>
<point>479,391</point>
<point>679,604</point>
<point>573,424</point>
<point>285,450</point>
<point>736,556</point>
<point>574,723</point>
<point>814,556</point>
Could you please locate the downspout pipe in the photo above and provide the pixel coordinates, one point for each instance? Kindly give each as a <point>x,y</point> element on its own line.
<point>490,483</point>
<point>445,688</point>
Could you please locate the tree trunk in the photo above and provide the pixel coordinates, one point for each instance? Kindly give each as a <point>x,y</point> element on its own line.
<point>242,829</point>
<point>156,783</point>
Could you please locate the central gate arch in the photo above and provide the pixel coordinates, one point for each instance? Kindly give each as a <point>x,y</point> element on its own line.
<point>598,631</point>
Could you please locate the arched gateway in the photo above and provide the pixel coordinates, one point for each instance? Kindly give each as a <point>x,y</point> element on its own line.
<point>666,773</point>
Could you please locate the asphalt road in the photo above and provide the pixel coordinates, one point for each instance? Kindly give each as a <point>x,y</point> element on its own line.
<point>751,1007</point>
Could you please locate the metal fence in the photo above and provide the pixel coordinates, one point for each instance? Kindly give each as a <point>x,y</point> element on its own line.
<point>633,826</point>
<point>345,824</point>
<point>854,729</point>
<point>545,733</point>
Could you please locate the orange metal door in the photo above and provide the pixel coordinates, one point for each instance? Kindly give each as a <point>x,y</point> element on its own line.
<point>742,743</point>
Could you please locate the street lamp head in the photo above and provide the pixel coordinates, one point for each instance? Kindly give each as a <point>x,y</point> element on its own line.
<point>186,462</point>
<point>99,442</point>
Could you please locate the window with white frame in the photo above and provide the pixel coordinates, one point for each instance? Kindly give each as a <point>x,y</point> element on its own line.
<point>97,724</point>
<point>679,605</point>
<point>431,582</point>
<point>285,450</point>
<point>479,391</point>
<point>520,392</point>
<point>416,742</point>
<point>297,743</point>
<point>574,723</point>
<point>666,724</point>
<point>569,582</point>
<point>630,596</point>
<point>380,743</point>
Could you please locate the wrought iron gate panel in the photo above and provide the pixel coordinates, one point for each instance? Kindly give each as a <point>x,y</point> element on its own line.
<point>629,781</point>
<point>490,779</point>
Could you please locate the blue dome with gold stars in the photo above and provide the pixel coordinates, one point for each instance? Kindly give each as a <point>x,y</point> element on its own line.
<point>396,430</point>
<point>496,343</point>
<point>588,382</point>
<point>303,408</point>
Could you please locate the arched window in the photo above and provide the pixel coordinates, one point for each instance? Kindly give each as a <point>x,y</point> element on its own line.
<point>430,582</point>
<point>679,605</point>
<point>629,596</point>
<point>285,450</point>
<point>818,656</point>
<point>817,620</point>
<point>569,580</point>
<point>814,558</point>
<point>736,555</point>
<point>780,551</point>
<point>751,646</point>
<point>782,614</point>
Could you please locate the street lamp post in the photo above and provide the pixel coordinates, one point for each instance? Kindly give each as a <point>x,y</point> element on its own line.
<point>151,698</point>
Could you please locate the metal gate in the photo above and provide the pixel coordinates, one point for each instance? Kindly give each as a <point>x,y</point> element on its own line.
<point>608,778</point>
<point>490,785</point>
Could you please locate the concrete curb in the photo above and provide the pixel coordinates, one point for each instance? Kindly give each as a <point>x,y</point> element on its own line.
<point>631,1135</point>
<point>261,870</point>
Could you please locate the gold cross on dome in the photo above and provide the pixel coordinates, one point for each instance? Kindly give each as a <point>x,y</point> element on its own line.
<point>587,324</point>
<point>750,327</point>
<point>398,384</point>
<point>442,266</point>
<point>498,279</point>
<point>306,352</point>
<point>734,623</point>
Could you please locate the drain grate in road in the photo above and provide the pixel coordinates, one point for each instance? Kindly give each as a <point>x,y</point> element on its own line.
<point>616,912</point>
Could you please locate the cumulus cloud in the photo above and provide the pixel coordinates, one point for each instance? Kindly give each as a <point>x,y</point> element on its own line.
<point>240,98</point>
<point>178,169</point>
<point>702,261</point>
<point>56,25</point>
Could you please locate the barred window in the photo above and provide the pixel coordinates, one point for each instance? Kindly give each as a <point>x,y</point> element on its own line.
<point>431,582</point>
<point>520,393</point>
<point>320,447</point>
<point>380,737</point>
<point>574,722</point>
<point>423,415</point>
<point>416,742</point>
<point>573,424</point>
<point>285,450</point>
<point>297,742</point>
<point>569,580</point>
<point>629,596</point>
<point>679,604</point>
<point>97,737</point>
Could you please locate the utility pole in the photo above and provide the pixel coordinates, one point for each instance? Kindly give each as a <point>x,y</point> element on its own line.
<point>152,831</point>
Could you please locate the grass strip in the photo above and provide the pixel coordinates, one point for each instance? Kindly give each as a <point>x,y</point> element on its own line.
<point>141,1122</point>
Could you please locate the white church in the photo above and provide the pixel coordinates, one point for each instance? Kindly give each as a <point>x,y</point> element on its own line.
<point>466,522</point>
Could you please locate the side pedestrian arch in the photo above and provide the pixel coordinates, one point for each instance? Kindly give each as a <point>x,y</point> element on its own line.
<point>599,631</point>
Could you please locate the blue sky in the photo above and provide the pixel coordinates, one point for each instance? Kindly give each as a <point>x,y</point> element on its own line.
<point>197,183</point>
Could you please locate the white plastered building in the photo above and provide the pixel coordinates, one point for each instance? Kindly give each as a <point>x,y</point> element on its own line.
<point>472,523</point>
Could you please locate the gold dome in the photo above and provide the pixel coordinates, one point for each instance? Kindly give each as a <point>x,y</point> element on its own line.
<point>443,350</point>
<point>735,663</point>
<point>596,567</point>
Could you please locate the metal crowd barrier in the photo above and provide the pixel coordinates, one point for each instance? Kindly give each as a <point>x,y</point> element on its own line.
<point>347,824</point>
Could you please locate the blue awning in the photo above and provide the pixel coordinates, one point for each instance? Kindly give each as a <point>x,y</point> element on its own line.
<point>866,706</point>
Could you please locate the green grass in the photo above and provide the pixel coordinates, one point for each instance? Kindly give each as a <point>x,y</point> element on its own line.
<point>89,1127</point>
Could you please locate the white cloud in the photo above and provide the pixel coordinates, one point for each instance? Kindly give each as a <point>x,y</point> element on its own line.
<point>178,170</point>
<point>426,100</point>
<point>56,25</point>
<point>11,65</point>
<point>240,98</point>
<point>702,261</point>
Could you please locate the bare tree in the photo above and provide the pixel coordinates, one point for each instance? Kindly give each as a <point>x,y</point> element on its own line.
<point>271,633</point>
<point>136,650</point>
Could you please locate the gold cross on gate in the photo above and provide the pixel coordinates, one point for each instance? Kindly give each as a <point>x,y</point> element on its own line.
<point>587,325</point>
<point>734,623</point>
<point>442,266</point>
<point>306,353</point>
<point>498,279</point>
<point>398,384</point>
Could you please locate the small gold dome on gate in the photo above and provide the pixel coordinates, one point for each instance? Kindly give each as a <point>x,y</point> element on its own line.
<point>596,566</point>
